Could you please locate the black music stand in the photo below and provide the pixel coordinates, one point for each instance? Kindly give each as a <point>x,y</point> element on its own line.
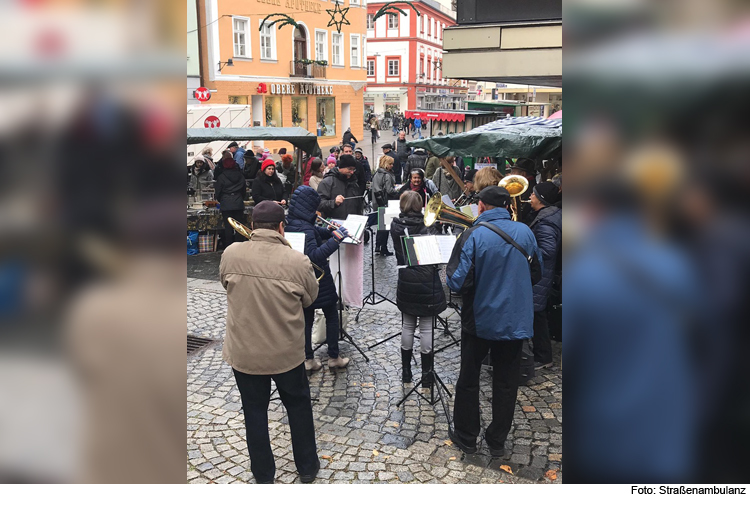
<point>372,295</point>
<point>343,335</point>
<point>437,382</point>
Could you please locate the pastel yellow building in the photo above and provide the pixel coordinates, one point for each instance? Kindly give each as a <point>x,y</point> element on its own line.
<point>310,75</point>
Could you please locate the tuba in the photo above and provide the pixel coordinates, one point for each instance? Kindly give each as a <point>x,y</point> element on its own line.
<point>515,185</point>
<point>248,233</point>
<point>437,211</point>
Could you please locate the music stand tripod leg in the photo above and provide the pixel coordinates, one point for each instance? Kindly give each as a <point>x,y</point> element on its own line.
<point>343,335</point>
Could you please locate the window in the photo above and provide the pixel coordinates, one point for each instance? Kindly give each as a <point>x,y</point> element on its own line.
<point>326,117</point>
<point>321,45</point>
<point>393,67</point>
<point>353,2</point>
<point>420,22</point>
<point>273,111</point>
<point>267,42</point>
<point>354,50</point>
<point>429,27</point>
<point>392,21</point>
<point>370,22</point>
<point>429,70</point>
<point>421,67</point>
<point>238,100</point>
<point>299,111</point>
<point>370,67</point>
<point>337,51</point>
<point>241,37</point>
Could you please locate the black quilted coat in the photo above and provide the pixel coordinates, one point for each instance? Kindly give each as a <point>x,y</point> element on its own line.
<point>419,291</point>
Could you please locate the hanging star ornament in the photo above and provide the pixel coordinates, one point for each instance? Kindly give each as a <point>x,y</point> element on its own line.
<point>338,17</point>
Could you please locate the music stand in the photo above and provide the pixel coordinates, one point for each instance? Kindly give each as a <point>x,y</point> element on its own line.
<point>437,382</point>
<point>343,335</point>
<point>372,295</point>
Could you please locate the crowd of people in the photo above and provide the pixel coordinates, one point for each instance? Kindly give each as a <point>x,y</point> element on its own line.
<point>507,272</point>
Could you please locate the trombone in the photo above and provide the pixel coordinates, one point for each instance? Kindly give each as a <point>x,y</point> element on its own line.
<point>248,233</point>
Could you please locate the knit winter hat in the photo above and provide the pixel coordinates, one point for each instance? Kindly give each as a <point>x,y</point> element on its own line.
<point>266,163</point>
<point>547,193</point>
<point>330,159</point>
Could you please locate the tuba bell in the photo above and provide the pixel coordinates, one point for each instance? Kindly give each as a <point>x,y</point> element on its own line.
<point>515,185</point>
<point>245,231</point>
<point>437,211</point>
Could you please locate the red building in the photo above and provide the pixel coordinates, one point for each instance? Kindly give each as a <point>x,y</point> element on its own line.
<point>404,61</point>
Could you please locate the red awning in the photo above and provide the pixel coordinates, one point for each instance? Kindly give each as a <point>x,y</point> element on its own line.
<point>435,116</point>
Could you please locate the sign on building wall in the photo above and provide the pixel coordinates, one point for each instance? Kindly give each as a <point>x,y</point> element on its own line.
<point>303,89</point>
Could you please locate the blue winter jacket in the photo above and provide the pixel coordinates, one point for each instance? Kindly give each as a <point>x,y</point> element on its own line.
<point>239,157</point>
<point>494,278</point>
<point>301,219</point>
<point>547,228</point>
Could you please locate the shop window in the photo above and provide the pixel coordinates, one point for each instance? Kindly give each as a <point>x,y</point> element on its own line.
<point>273,111</point>
<point>238,100</point>
<point>326,116</point>
<point>299,112</point>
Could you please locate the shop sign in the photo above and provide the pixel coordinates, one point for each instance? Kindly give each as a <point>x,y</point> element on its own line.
<point>295,5</point>
<point>302,89</point>
<point>212,122</point>
<point>421,90</point>
<point>443,91</point>
<point>202,94</point>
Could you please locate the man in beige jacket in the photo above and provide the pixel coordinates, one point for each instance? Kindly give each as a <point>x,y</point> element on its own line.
<point>268,283</point>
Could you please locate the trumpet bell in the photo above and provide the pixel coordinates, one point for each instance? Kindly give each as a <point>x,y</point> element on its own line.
<point>240,228</point>
<point>437,211</point>
<point>514,184</point>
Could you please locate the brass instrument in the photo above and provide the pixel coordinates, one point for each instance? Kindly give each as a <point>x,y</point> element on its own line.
<point>465,199</point>
<point>437,211</point>
<point>248,233</point>
<point>515,185</point>
<point>334,226</point>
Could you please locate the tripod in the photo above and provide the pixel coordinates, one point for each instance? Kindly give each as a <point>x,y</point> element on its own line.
<point>437,382</point>
<point>343,335</point>
<point>372,296</point>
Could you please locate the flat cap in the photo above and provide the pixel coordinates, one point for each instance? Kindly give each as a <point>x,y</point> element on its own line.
<point>494,196</point>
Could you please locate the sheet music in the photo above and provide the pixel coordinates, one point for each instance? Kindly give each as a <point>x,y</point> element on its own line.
<point>445,245</point>
<point>296,240</point>
<point>427,250</point>
<point>355,225</point>
<point>447,200</point>
<point>471,209</point>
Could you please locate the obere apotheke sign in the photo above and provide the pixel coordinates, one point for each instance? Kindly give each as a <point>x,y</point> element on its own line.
<point>302,89</point>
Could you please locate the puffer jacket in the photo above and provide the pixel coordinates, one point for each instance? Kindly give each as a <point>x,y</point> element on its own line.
<point>419,291</point>
<point>383,187</point>
<point>319,244</point>
<point>417,160</point>
<point>230,187</point>
<point>337,184</point>
<point>494,279</point>
<point>547,228</point>
<point>268,188</point>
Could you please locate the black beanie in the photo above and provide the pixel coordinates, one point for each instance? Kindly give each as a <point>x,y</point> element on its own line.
<point>347,161</point>
<point>547,192</point>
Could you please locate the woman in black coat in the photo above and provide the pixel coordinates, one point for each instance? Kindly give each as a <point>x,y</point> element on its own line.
<point>320,244</point>
<point>231,192</point>
<point>419,294</point>
<point>267,185</point>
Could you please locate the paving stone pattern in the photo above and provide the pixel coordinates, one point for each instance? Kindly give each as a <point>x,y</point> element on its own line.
<point>362,436</point>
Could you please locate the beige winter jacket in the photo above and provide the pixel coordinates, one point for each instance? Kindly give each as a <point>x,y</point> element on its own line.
<point>268,283</point>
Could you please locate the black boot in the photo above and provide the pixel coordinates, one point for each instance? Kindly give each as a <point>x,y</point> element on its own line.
<point>426,369</point>
<point>406,365</point>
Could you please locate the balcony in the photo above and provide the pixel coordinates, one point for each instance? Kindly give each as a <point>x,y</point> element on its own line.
<point>301,70</point>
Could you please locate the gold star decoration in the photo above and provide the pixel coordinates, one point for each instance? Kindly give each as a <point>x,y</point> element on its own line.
<point>338,17</point>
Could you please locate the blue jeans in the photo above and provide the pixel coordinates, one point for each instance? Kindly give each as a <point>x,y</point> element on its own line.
<point>331,313</point>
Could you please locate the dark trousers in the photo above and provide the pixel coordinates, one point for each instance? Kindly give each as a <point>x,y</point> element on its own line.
<point>542,341</point>
<point>331,313</point>
<point>294,391</point>
<point>229,233</point>
<point>506,360</point>
<point>381,240</point>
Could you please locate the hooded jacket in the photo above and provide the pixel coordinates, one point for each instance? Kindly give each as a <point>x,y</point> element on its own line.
<point>201,179</point>
<point>268,188</point>
<point>268,284</point>
<point>383,187</point>
<point>547,228</point>
<point>230,187</point>
<point>494,278</point>
<point>419,291</point>
<point>337,184</point>
<point>319,244</point>
<point>417,160</point>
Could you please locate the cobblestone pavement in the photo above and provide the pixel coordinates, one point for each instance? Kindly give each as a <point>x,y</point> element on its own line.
<point>362,436</point>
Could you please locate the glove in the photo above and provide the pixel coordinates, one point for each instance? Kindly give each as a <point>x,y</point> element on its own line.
<point>340,234</point>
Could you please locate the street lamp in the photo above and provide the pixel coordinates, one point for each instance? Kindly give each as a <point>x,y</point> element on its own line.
<point>229,63</point>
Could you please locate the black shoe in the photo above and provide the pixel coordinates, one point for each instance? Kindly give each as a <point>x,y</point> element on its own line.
<point>468,450</point>
<point>427,360</point>
<point>269,482</point>
<point>306,479</point>
<point>406,375</point>
<point>495,452</point>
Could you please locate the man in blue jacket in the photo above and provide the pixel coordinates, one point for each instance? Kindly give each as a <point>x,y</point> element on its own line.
<point>494,280</point>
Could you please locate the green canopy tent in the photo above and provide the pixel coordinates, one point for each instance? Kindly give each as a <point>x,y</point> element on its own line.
<point>298,137</point>
<point>512,137</point>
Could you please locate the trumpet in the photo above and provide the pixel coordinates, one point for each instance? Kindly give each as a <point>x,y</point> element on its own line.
<point>334,226</point>
<point>248,233</point>
<point>515,185</point>
<point>465,199</point>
